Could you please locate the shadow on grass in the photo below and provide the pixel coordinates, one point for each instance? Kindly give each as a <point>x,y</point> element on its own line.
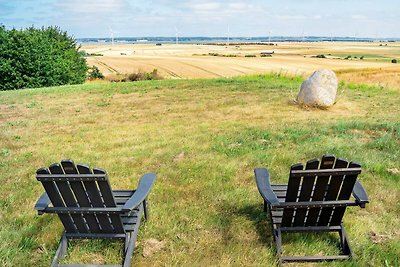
<point>293,241</point>
<point>260,220</point>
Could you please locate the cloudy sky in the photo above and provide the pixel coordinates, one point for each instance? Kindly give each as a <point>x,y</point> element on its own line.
<point>95,18</point>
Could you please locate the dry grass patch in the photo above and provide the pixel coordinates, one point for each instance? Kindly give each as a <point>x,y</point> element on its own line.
<point>203,138</point>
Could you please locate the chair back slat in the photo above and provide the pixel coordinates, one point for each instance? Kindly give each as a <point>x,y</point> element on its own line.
<point>330,180</point>
<point>109,201</point>
<point>56,200</point>
<point>321,183</point>
<point>307,187</point>
<point>94,196</point>
<point>345,193</point>
<point>81,197</point>
<point>77,186</point>
<point>68,197</point>
<point>332,192</point>
<point>291,195</point>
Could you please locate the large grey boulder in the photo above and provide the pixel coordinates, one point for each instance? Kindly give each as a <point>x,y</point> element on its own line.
<point>319,89</point>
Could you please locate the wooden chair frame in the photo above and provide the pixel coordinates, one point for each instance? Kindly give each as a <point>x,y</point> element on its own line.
<point>89,209</point>
<point>314,200</point>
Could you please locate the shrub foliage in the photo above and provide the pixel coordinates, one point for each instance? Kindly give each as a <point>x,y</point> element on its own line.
<point>94,73</point>
<point>39,57</point>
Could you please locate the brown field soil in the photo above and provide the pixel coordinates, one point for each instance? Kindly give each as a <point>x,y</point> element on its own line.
<point>186,61</point>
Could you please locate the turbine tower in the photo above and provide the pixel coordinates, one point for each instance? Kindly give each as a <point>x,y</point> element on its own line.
<point>228,34</point>
<point>176,36</point>
<point>269,37</point>
<point>111,35</point>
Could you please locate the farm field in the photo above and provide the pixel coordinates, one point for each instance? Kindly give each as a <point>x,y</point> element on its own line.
<point>203,138</point>
<point>182,61</point>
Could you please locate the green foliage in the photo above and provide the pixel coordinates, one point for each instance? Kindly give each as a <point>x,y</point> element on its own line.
<point>394,60</point>
<point>320,56</point>
<point>94,73</point>
<point>250,55</point>
<point>39,57</point>
<point>136,76</point>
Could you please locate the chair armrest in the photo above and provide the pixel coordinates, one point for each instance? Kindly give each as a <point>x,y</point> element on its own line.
<point>144,188</point>
<point>42,203</point>
<point>360,194</point>
<point>264,186</point>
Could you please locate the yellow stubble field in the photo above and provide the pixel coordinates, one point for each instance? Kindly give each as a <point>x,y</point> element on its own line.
<point>370,62</point>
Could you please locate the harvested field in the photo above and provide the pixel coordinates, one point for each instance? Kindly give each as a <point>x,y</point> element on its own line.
<point>366,62</point>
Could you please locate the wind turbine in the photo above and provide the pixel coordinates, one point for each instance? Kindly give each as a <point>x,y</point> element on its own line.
<point>176,36</point>
<point>269,37</point>
<point>229,33</point>
<point>111,35</point>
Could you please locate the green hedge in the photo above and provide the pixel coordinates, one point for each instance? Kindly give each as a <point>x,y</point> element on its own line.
<point>39,57</point>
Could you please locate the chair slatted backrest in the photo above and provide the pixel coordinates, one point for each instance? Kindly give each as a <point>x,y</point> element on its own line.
<point>310,187</point>
<point>86,193</point>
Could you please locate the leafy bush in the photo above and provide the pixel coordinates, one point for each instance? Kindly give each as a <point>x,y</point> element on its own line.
<point>250,55</point>
<point>136,76</point>
<point>39,57</point>
<point>94,73</point>
<point>348,57</point>
<point>394,60</point>
<point>265,55</point>
<point>83,53</point>
<point>320,56</point>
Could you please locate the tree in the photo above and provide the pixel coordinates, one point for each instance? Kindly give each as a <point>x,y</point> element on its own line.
<point>39,57</point>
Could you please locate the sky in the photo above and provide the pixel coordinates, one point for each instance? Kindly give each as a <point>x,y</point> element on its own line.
<point>251,18</point>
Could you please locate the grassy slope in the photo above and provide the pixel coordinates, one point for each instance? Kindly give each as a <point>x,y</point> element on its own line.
<point>203,138</point>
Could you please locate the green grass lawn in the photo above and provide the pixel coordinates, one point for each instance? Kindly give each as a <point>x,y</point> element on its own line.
<point>203,138</point>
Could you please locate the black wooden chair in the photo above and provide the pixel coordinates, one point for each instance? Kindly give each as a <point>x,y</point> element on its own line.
<point>88,208</point>
<point>314,200</point>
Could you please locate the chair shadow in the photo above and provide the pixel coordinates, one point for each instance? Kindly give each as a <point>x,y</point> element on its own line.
<point>260,220</point>
<point>262,224</point>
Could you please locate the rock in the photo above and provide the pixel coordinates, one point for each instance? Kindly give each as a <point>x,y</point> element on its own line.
<point>319,89</point>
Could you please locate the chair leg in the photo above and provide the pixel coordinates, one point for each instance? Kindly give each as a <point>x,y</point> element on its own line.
<point>146,209</point>
<point>129,247</point>
<point>344,242</point>
<point>278,241</point>
<point>61,251</point>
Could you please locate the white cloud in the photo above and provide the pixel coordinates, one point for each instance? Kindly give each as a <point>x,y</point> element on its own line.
<point>205,7</point>
<point>91,6</point>
<point>291,17</point>
<point>359,17</point>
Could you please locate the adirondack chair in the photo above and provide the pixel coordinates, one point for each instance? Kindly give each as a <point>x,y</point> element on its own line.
<point>314,200</point>
<point>88,208</point>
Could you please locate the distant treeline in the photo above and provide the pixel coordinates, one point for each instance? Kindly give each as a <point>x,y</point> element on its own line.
<point>39,57</point>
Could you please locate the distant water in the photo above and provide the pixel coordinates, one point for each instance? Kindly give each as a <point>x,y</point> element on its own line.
<point>205,40</point>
